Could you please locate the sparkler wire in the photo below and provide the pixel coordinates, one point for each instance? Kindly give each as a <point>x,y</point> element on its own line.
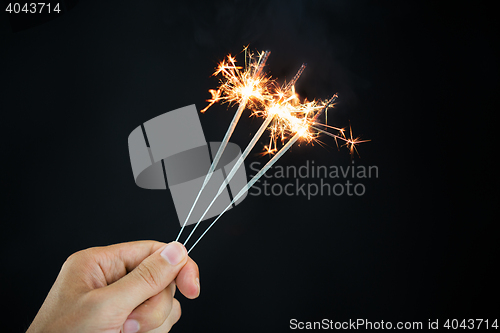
<point>295,78</point>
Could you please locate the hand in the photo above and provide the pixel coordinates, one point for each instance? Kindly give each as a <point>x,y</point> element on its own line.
<point>125,288</point>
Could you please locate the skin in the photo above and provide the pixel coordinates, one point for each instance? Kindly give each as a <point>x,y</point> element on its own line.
<point>121,288</point>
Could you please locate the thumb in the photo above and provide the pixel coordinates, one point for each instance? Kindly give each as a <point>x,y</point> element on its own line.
<point>152,275</point>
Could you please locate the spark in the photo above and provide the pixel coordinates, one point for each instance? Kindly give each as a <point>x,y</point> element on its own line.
<point>352,142</point>
<point>241,85</point>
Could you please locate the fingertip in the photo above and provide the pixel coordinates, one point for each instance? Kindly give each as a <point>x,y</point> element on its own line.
<point>174,253</point>
<point>197,282</point>
<point>193,291</point>
<point>188,280</point>
<point>131,326</point>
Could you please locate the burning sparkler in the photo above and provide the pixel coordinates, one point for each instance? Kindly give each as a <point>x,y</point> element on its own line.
<point>285,116</point>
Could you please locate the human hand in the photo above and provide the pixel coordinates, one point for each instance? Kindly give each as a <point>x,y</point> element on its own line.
<point>124,288</point>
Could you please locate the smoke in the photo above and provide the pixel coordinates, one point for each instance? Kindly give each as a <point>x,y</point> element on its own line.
<point>295,31</point>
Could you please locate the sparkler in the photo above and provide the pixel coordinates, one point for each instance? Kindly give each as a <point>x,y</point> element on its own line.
<point>285,116</point>
<point>240,86</point>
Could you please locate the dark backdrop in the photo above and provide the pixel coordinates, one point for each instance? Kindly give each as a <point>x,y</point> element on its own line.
<point>418,79</point>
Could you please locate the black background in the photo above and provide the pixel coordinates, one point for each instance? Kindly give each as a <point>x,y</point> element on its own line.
<point>418,79</point>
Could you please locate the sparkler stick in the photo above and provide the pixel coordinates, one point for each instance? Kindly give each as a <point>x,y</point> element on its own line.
<point>265,168</point>
<point>249,147</point>
<point>295,78</point>
<point>225,141</point>
<point>262,63</point>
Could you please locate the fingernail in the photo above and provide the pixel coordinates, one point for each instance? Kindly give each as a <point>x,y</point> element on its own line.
<point>174,253</point>
<point>197,281</point>
<point>131,326</point>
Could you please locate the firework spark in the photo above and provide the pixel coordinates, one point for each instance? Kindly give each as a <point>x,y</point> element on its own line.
<point>242,85</point>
